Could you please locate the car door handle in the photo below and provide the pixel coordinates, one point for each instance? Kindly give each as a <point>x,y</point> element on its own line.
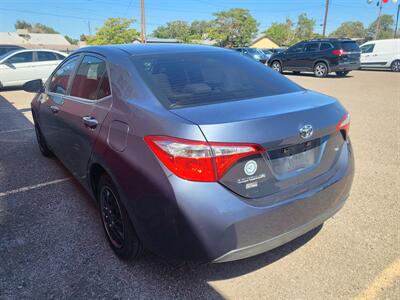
<point>54,109</point>
<point>90,122</point>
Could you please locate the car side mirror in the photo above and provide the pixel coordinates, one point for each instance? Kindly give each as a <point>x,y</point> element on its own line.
<point>33,86</point>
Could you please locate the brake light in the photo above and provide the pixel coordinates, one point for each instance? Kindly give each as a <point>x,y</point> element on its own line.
<point>197,160</point>
<point>338,52</point>
<point>344,125</point>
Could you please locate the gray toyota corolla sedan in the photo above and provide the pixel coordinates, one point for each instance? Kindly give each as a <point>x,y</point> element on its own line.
<point>194,152</point>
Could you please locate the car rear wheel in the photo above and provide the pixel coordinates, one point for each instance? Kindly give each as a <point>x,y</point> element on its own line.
<point>44,149</point>
<point>342,73</point>
<point>116,223</point>
<point>276,66</point>
<point>320,70</point>
<point>395,66</point>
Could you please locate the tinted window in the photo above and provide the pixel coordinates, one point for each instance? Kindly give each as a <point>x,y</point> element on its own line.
<point>45,56</point>
<point>59,56</point>
<point>296,48</point>
<point>368,48</point>
<point>4,50</point>
<point>59,81</point>
<point>350,46</point>
<point>186,79</point>
<point>91,80</point>
<point>311,47</point>
<point>23,57</point>
<point>325,46</point>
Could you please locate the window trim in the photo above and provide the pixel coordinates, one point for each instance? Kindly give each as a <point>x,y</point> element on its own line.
<point>326,43</point>
<point>309,43</point>
<point>37,56</point>
<point>84,100</point>
<point>298,44</point>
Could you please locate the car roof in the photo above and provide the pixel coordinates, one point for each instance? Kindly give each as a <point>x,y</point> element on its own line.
<point>140,49</point>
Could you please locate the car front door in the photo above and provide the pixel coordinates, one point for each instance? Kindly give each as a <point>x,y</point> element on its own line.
<point>45,63</point>
<point>83,112</point>
<point>367,58</point>
<point>52,99</point>
<point>17,69</point>
<point>291,61</point>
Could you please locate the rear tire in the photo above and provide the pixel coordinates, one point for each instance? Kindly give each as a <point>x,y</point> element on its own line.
<point>342,73</point>
<point>395,66</point>
<point>321,70</point>
<point>276,66</point>
<point>44,149</point>
<point>116,223</point>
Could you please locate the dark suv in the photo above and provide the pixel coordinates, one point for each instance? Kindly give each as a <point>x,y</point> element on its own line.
<point>320,56</point>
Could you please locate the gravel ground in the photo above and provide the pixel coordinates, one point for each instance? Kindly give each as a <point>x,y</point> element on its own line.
<point>52,244</point>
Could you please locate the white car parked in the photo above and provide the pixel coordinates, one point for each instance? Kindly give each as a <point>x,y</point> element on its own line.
<point>18,67</point>
<point>381,54</point>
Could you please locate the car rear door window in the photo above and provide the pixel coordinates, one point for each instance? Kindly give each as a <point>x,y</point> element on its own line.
<point>46,56</point>
<point>59,80</point>
<point>59,56</point>
<point>311,47</point>
<point>23,57</point>
<point>188,79</point>
<point>325,46</point>
<point>91,79</point>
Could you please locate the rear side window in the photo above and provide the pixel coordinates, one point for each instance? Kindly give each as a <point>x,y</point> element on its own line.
<point>91,80</point>
<point>59,80</point>
<point>325,46</point>
<point>59,56</point>
<point>312,47</point>
<point>188,79</point>
<point>46,56</point>
<point>367,48</point>
<point>350,47</point>
<point>23,57</point>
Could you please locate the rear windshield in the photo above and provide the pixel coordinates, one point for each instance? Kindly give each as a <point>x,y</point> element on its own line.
<point>188,79</point>
<point>350,47</point>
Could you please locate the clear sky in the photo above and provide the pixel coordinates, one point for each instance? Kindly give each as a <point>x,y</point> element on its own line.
<point>72,17</point>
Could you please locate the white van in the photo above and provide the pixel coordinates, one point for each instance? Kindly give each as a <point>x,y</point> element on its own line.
<point>20,66</point>
<point>381,54</point>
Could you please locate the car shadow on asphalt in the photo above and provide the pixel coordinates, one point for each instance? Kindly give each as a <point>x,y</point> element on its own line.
<point>333,76</point>
<point>176,279</point>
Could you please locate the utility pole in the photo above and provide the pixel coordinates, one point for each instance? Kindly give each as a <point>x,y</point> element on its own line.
<point>378,23</point>
<point>142,23</point>
<point>90,30</point>
<point>397,21</point>
<point>326,17</point>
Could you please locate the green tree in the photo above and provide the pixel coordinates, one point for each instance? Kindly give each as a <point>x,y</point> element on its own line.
<point>305,28</point>
<point>114,31</point>
<point>34,28</point>
<point>233,28</point>
<point>174,30</point>
<point>71,40</point>
<point>199,29</point>
<point>350,30</point>
<point>282,33</point>
<point>386,30</point>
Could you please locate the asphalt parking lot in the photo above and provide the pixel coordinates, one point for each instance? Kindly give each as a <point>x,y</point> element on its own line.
<point>52,244</point>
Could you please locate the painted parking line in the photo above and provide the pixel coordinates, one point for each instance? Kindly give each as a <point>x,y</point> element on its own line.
<point>384,280</point>
<point>16,130</point>
<point>32,187</point>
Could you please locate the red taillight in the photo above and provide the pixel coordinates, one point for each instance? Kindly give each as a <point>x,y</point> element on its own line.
<point>338,52</point>
<point>197,160</point>
<point>344,124</point>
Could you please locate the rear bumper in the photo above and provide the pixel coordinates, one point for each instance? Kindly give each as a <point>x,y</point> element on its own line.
<point>345,67</point>
<point>229,228</point>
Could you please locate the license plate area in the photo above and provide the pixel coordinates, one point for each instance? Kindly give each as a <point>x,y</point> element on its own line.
<point>294,158</point>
